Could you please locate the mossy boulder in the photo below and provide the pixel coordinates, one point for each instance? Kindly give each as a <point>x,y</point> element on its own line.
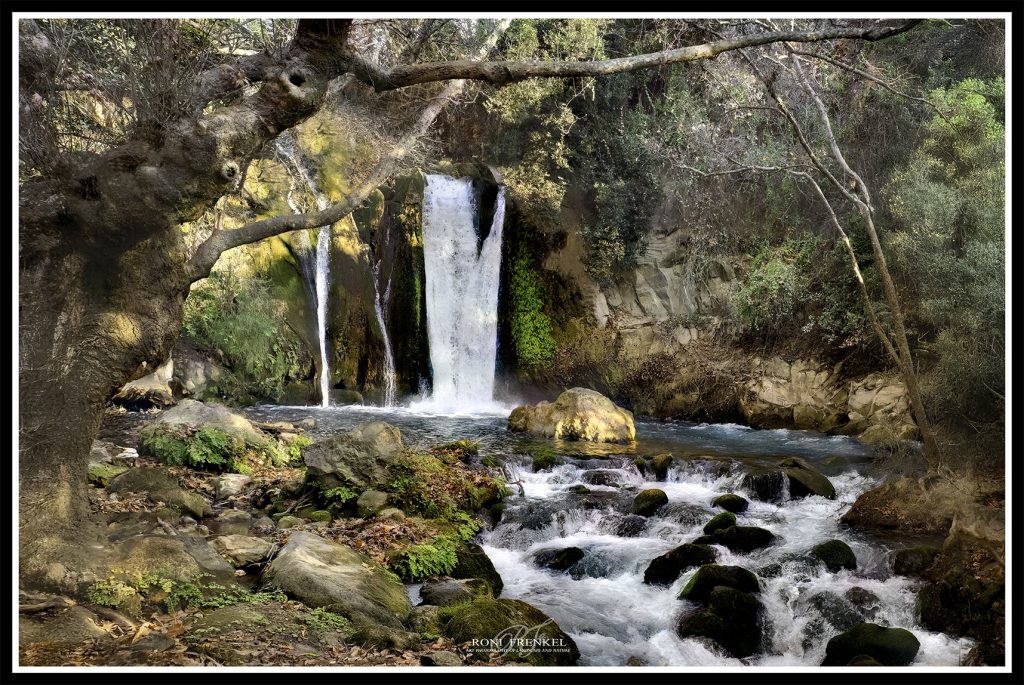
<point>370,502</point>
<point>577,414</point>
<point>161,487</point>
<point>836,555</point>
<point>473,562</point>
<point>711,576</point>
<point>887,646</point>
<point>502,620</point>
<point>208,437</point>
<point>558,559</point>
<point>447,591</point>
<point>358,459</point>
<point>321,573</point>
<point>726,519</point>
<point>732,619</point>
<point>805,480</point>
<point>543,460</point>
<point>288,521</point>
<point>834,609</point>
<point>242,550</point>
<point>731,502</point>
<point>649,501</point>
<point>664,570</point>
<point>660,465</point>
<point>101,474</point>
<point>914,560</point>
<point>741,539</point>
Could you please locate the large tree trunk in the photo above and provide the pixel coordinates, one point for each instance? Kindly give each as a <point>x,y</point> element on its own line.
<point>92,317</point>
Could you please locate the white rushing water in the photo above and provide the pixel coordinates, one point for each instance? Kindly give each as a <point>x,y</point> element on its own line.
<point>322,272</point>
<point>612,615</point>
<point>462,295</point>
<point>381,297</point>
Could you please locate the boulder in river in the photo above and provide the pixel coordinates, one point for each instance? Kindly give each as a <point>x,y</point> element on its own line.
<point>835,610</point>
<point>321,573</point>
<point>731,502</point>
<point>887,646</point>
<point>496,623</point>
<point>739,538</point>
<point>447,591</point>
<point>732,619</point>
<point>726,519</point>
<point>805,480</point>
<point>358,458</point>
<point>836,555</point>
<point>665,569</point>
<point>914,560</point>
<point>473,562</point>
<point>577,414</point>
<point>649,501</point>
<point>660,465</point>
<point>558,559</point>
<point>710,576</point>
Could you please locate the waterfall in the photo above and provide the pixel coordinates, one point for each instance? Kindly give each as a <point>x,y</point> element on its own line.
<point>462,294</point>
<point>381,297</point>
<point>321,276</point>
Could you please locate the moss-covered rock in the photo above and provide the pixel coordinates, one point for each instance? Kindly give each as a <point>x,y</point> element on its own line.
<point>888,646</point>
<point>731,502</point>
<point>660,465</point>
<point>492,619</point>
<point>101,474</point>
<point>447,591</point>
<point>649,501</point>
<point>709,576</point>
<point>726,519</point>
<point>160,487</point>
<point>836,555</point>
<point>370,502</point>
<point>665,569</point>
<point>358,459</point>
<point>835,610</point>
<point>543,459</point>
<point>558,559</point>
<point>732,619</point>
<point>473,562</point>
<point>288,521</point>
<point>739,538</point>
<point>914,560</point>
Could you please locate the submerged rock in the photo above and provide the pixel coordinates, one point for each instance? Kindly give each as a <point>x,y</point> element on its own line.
<point>631,526</point>
<point>835,610</point>
<point>649,501</point>
<point>836,555</point>
<point>473,562</point>
<point>732,619</point>
<point>726,519</point>
<point>321,573</point>
<point>501,620</point>
<point>731,502</point>
<point>710,576</point>
<point>888,646</point>
<point>577,414</point>
<point>665,569</point>
<point>558,559</point>
<point>739,538</point>
<point>358,458</point>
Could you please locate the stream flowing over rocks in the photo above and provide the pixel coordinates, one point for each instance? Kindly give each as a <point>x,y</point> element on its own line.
<point>570,543</point>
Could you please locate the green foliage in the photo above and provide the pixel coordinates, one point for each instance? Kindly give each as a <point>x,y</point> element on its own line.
<point>418,562</point>
<point>340,495</point>
<point>207,449</point>
<point>771,293</point>
<point>239,317</point>
<point>532,335</point>
<point>323,620</point>
<point>110,593</point>
<point>949,202</point>
<point>297,445</point>
<point>544,458</point>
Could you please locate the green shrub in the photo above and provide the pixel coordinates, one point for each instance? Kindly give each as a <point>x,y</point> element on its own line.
<point>207,449</point>
<point>771,294</point>
<point>532,335</point>
<point>239,317</point>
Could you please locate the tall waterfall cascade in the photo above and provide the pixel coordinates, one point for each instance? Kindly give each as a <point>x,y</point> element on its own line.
<point>462,295</point>
<point>381,297</point>
<point>322,269</point>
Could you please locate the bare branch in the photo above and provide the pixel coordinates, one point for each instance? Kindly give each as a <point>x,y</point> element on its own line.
<point>504,73</point>
<point>208,253</point>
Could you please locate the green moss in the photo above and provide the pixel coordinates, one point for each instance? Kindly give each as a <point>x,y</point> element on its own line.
<point>424,485</point>
<point>544,458</point>
<point>102,474</point>
<point>324,620</point>
<point>419,562</point>
<point>207,449</point>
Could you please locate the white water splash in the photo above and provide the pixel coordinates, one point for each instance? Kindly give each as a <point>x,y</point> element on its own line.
<point>462,296</point>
